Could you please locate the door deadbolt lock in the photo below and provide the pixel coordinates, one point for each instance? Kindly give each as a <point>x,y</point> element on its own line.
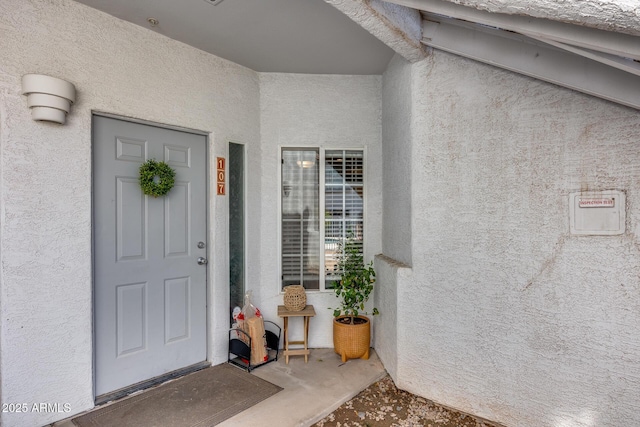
<point>202,261</point>
<point>201,245</point>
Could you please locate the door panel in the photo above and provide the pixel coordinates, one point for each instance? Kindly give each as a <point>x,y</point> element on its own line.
<point>149,290</point>
<point>177,309</point>
<point>131,220</point>
<point>131,313</point>
<point>177,221</point>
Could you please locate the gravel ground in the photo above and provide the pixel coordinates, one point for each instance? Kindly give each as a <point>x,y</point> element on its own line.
<point>383,405</point>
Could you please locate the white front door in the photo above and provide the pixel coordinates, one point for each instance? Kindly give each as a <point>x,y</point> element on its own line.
<point>149,287</point>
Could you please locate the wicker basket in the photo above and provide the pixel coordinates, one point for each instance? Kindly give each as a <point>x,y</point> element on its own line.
<point>352,341</point>
<point>295,299</point>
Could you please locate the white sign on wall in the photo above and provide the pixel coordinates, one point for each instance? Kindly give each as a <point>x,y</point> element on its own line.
<point>590,202</point>
<point>597,212</point>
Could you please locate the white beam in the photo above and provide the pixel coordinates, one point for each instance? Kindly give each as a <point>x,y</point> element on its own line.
<point>624,64</point>
<point>536,60</point>
<point>618,44</point>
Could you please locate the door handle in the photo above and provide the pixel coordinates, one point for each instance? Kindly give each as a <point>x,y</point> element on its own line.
<point>202,261</point>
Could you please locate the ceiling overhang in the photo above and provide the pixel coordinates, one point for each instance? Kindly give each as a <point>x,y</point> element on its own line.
<point>600,63</point>
<point>274,36</point>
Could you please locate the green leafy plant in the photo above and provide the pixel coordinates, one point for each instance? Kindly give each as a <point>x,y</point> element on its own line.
<point>156,178</point>
<point>356,280</point>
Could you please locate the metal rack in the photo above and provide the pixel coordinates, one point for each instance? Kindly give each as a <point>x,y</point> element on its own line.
<point>240,346</point>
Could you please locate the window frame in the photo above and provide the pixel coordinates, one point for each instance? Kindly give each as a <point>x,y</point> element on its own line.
<point>322,149</point>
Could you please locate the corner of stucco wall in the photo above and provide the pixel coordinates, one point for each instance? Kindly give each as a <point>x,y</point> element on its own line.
<point>391,279</point>
<point>394,275</point>
<point>397,155</point>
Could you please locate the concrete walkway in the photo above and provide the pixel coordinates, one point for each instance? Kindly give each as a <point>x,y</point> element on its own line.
<point>310,390</point>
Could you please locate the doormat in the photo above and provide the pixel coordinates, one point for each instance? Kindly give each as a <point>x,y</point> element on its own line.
<point>202,399</point>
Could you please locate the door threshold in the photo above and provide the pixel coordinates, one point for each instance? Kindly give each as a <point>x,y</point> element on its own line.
<point>143,385</point>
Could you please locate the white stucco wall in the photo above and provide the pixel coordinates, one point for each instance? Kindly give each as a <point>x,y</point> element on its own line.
<point>622,16</point>
<point>396,168</point>
<point>328,111</point>
<point>45,189</point>
<point>508,316</point>
<point>393,269</point>
<point>392,278</point>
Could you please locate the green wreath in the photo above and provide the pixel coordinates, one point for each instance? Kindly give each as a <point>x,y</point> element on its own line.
<point>156,178</point>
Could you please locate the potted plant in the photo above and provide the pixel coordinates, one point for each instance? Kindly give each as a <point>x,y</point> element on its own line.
<point>351,328</point>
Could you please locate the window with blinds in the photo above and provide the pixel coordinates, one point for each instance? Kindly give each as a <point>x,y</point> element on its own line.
<point>315,181</point>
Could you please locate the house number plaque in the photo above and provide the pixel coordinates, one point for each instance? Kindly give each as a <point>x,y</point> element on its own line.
<point>220,176</point>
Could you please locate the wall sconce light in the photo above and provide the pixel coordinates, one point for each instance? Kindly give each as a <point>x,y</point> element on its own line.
<point>49,98</point>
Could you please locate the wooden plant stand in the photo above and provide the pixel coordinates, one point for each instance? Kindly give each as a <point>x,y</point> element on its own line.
<point>307,313</point>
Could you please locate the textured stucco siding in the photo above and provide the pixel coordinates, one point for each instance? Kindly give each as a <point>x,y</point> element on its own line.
<point>513,318</point>
<point>396,167</point>
<point>622,16</point>
<point>328,111</point>
<point>46,345</point>
<point>392,278</point>
<point>393,273</point>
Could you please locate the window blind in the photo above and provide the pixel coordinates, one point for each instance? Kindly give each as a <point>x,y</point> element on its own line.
<point>308,246</point>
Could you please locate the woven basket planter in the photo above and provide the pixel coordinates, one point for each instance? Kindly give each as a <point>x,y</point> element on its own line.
<point>352,341</point>
<point>295,298</point>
